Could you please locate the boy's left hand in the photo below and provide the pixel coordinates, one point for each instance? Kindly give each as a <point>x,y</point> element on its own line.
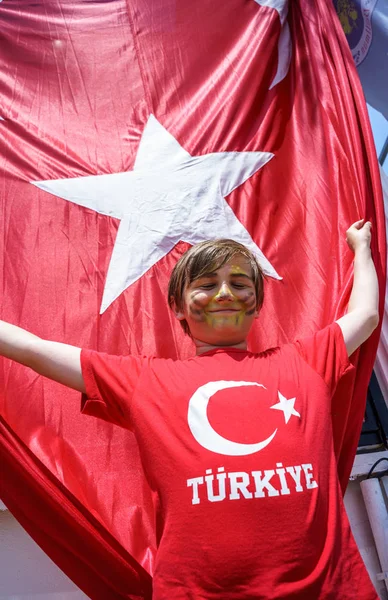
<point>363,310</point>
<point>359,235</point>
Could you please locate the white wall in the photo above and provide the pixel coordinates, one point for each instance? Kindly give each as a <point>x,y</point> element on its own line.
<point>362,532</point>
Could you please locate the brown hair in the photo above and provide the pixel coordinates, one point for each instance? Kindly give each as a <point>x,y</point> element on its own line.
<point>210,256</point>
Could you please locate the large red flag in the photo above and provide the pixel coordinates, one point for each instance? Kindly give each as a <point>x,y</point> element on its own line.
<point>129,131</point>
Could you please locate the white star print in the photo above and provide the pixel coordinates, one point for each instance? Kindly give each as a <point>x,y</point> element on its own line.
<point>287,406</point>
<point>169,197</point>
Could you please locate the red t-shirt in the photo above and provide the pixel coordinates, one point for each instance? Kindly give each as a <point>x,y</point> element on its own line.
<point>239,449</point>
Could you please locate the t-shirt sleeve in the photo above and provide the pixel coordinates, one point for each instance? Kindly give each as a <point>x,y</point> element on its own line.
<point>110,383</point>
<point>326,353</point>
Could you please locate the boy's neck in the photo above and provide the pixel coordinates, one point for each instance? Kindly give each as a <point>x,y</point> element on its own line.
<point>202,347</point>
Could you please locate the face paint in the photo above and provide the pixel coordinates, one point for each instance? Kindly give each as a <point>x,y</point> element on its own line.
<point>246,298</point>
<point>250,302</point>
<point>221,320</point>
<point>219,317</point>
<point>195,307</point>
<point>220,306</point>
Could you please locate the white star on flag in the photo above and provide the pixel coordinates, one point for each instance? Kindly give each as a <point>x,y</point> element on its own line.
<point>169,196</point>
<point>284,43</point>
<point>287,406</point>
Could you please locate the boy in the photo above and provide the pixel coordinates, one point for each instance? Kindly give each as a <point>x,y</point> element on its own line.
<point>242,512</point>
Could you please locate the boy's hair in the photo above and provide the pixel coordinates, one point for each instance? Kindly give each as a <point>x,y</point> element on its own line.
<point>206,257</point>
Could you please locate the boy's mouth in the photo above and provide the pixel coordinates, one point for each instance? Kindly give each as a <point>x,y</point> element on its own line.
<point>224,310</point>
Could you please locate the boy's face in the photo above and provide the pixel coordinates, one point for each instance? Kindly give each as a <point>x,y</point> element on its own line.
<point>220,306</point>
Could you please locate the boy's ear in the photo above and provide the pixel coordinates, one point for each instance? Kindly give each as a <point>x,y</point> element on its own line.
<point>177,311</point>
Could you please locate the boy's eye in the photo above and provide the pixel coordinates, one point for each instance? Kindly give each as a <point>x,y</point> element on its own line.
<point>239,285</point>
<point>207,286</point>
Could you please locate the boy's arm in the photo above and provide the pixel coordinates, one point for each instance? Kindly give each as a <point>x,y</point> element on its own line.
<point>363,310</point>
<point>60,362</point>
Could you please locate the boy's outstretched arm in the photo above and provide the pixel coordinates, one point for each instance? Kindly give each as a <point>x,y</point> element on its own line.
<point>60,362</point>
<point>363,310</point>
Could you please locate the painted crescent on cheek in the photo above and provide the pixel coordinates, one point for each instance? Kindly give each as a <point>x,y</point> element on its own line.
<point>197,313</point>
<point>250,303</point>
<point>196,301</point>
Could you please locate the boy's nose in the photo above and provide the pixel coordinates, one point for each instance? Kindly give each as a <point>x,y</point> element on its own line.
<point>224,293</point>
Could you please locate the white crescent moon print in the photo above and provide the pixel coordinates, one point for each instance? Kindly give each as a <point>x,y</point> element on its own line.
<point>204,433</point>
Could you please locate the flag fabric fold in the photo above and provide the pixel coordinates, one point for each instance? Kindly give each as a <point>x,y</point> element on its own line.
<point>78,84</point>
<point>87,553</point>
